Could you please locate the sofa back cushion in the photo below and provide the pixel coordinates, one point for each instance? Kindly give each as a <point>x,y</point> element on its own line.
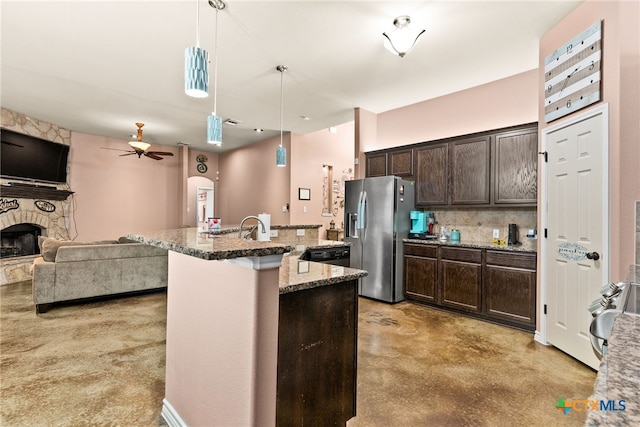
<point>50,246</point>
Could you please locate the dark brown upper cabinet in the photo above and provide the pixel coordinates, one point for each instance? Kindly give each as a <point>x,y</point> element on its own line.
<point>432,174</point>
<point>515,160</point>
<point>470,171</point>
<point>401,163</point>
<point>493,168</point>
<point>376,164</point>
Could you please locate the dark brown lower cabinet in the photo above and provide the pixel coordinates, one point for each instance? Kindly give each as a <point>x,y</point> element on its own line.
<point>461,278</point>
<point>494,285</point>
<point>421,272</point>
<point>317,349</point>
<point>510,288</point>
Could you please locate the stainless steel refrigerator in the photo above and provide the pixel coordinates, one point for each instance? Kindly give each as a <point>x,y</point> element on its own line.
<point>376,220</point>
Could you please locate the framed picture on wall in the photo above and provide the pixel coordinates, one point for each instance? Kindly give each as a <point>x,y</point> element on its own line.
<point>304,194</point>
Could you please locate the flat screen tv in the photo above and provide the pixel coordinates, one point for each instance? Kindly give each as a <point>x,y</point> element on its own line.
<point>32,159</point>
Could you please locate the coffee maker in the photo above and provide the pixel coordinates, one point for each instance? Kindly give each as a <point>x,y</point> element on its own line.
<point>422,224</point>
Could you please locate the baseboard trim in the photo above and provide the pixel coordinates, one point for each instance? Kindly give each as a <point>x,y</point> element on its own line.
<point>538,337</point>
<point>170,415</point>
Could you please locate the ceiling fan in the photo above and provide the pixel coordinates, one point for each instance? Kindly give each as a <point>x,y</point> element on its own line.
<point>140,147</point>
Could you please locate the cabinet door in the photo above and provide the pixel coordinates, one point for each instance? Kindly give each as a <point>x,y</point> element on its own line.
<point>510,287</point>
<point>420,278</point>
<point>376,164</point>
<point>515,159</point>
<point>510,294</point>
<point>401,163</point>
<point>432,174</point>
<point>470,171</point>
<point>317,350</point>
<point>460,285</point>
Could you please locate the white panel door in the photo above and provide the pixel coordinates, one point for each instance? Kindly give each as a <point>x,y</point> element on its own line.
<point>577,231</point>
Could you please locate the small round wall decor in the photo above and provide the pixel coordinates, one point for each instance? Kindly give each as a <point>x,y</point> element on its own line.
<point>45,206</point>
<point>202,168</point>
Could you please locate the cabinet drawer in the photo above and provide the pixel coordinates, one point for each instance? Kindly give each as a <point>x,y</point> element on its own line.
<point>421,250</point>
<point>511,259</point>
<point>461,254</point>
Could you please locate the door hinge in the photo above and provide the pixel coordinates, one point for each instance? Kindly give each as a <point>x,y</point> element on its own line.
<point>546,155</point>
<point>545,233</point>
<point>545,309</point>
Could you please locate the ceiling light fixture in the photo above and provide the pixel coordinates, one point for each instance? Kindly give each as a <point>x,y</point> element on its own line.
<point>196,73</point>
<point>214,122</point>
<point>402,38</point>
<point>281,152</point>
<point>139,143</point>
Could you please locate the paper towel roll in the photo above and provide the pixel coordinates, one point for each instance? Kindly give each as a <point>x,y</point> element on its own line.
<point>266,220</point>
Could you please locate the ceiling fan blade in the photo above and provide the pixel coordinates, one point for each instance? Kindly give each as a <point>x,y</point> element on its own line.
<point>128,153</point>
<point>160,153</point>
<point>151,155</point>
<point>116,149</point>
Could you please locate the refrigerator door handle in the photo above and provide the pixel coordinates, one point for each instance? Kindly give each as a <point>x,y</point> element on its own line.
<point>362,205</point>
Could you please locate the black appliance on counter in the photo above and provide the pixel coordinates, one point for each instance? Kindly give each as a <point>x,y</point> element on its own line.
<point>335,256</point>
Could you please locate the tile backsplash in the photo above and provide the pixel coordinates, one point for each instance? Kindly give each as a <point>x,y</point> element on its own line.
<point>477,225</point>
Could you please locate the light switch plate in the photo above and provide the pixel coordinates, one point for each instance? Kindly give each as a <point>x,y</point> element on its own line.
<point>496,233</point>
<point>273,233</point>
<point>300,232</point>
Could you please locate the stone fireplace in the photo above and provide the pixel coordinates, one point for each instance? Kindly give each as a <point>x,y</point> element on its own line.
<point>29,210</point>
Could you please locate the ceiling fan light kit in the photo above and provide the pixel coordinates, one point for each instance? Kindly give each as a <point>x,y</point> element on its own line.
<point>141,148</point>
<point>196,72</point>
<point>402,38</point>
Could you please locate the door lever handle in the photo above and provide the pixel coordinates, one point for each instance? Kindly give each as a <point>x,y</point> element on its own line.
<point>593,255</point>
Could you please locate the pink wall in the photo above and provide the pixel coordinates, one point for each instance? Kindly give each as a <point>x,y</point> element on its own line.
<point>116,195</point>
<point>621,90</point>
<point>506,102</point>
<point>308,154</point>
<point>250,183</point>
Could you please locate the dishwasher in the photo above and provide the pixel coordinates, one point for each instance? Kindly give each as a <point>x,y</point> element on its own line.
<point>336,256</point>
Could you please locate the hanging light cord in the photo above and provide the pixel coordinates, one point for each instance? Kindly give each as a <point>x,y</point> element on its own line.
<point>197,23</point>
<point>215,67</point>
<point>282,69</point>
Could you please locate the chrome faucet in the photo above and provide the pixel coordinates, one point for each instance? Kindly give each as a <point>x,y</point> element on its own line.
<point>264,230</point>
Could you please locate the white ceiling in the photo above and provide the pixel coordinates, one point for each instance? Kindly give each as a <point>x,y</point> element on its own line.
<point>98,67</point>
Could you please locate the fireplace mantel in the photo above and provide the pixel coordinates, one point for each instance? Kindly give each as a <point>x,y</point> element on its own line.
<point>28,191</point>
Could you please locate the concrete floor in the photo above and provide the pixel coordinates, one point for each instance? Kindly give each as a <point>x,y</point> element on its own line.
<point>103,364</point>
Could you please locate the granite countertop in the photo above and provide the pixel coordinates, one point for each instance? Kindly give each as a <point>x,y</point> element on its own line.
<point>208,246</point>
<point>619,375</point>
<point>298,275</point>
<point>475,245</point>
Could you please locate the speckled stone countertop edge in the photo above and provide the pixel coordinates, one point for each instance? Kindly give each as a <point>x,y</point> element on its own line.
<point>348,276</point>
<point>472,245</point>
<point>619,374</point>
<point>256,249</point>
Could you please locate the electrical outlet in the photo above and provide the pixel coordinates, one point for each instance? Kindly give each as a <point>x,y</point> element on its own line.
<point>273,233</point>
<point>496,233</point>
<point>300,232</point>
<point>304,209</point>
<point>285,208</point>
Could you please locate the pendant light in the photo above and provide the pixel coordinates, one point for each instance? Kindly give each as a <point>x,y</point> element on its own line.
<point>196,73</point>
<point>402,39</point>
<point>214,122</point>
<point>281,152</point>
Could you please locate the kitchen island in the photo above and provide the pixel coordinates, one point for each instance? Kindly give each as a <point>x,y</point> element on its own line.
<point>223,322</point>
<point>618,382</point>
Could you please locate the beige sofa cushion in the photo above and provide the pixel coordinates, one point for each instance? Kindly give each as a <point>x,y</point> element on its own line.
<point>50,246</point>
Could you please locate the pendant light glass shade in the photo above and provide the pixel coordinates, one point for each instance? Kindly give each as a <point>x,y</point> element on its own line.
<point>196,73</point>
<point>281,156</point>
<point>281,152</point>
<point>214,129</point>
<point>401,39</point>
